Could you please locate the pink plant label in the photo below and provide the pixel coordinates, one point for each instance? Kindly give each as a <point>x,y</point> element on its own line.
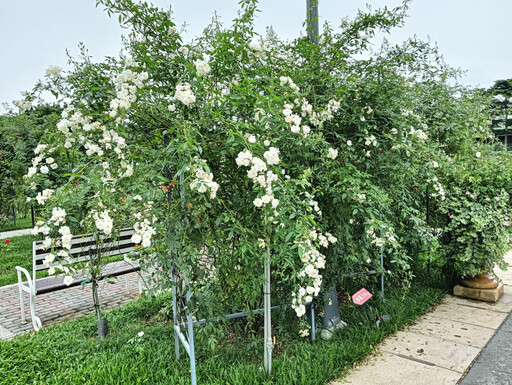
<point>361,296</point>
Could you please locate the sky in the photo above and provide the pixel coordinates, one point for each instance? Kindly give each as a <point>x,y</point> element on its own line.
<point>474,35</point>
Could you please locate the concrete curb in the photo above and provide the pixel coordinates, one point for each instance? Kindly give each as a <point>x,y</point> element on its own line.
<point>15,233</point>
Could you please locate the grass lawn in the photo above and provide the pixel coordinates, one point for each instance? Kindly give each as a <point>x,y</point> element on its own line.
<point>17,253</point>
<point>21,223</point>
<point>69,353</point>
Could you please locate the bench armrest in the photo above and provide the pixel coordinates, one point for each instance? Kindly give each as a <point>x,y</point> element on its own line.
<point>27,276</point>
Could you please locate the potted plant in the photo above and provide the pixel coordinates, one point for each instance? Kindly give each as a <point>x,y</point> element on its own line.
<point>475,237</point>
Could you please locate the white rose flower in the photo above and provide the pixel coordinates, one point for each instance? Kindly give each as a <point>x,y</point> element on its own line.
<point>31,172</point>
<point>183,50</point>
<point>202,67</point>
<point>53,70</point>
<point>136,238</point>
<point>47,243</point>
<point>266,199</point>
<point>332,153</point>
<point>272,155</point>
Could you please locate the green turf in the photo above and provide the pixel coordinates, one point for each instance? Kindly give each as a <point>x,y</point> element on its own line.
<point>70,353</point>
<point>21,223</point>
<point>18,252</point>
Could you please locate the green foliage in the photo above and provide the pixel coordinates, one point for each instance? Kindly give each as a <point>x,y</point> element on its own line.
<point>19,135</point>
<point>476,212</point>
<point>501,87</point>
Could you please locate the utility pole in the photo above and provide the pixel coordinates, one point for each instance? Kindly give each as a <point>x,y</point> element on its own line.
<point>312,20</point>
<point>331,319</point>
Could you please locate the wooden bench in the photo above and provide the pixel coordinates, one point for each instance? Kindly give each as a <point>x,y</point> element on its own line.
<point>82,247</point>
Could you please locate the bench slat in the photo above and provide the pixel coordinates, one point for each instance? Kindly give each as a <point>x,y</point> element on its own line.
<point>84,246</point>
<point>85,240</point>
<point>50,284</point>
<point>77,251</point>
<point>88,249</point>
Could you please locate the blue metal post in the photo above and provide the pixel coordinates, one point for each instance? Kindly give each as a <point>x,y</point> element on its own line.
<point>313,327</point>
<point>382,275</point>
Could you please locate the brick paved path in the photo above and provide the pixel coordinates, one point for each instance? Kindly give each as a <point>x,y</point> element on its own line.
<point>61,305</point>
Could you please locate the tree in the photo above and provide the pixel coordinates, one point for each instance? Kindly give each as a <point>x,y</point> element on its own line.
<point>19,135</point>
<point>501,87</point>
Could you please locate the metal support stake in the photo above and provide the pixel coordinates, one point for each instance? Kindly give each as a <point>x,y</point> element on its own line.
<point>267,358</point>
<point>192,354</point>
<point>14,216</point>
<point>382,275</point>
<point>428,221</point>
<point>33,216</point>
<point>313,327</point>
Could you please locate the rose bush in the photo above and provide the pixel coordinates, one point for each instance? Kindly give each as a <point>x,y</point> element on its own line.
<point>236,144</point>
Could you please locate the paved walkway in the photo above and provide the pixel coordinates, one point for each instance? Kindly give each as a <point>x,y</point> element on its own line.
<point>62,305</point>
<point>15,233</point>
<point>442,345</point>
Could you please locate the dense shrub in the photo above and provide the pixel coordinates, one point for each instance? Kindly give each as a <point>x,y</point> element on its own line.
<point>236,145</point>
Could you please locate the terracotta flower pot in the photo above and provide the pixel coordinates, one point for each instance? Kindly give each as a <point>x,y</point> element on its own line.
<point>480,281</point>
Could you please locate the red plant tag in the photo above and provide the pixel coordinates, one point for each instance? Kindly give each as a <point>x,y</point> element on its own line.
<point>361,296</point>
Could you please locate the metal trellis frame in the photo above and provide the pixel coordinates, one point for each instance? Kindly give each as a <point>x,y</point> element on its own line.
<point>186,340</point>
